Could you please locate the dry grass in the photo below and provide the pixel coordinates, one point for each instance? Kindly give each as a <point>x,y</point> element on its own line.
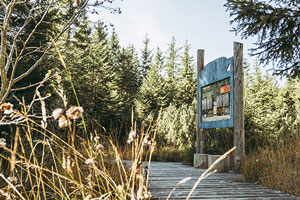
<point>82,164</point>
<point>174,154</point>
<point>40,164</point>
<point>276,167</point>
<point>80,168</point>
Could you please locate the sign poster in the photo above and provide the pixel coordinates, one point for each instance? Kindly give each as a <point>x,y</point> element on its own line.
<point>216,101</point>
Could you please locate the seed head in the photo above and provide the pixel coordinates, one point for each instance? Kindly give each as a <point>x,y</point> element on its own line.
<point>2,142</point>
<point>62,121</point>
<point>74,112</point>
<point>147,140</point>
<point>89,161</point>
<point>131,137</point>
<point>7,108</point>
<point>57,113</point>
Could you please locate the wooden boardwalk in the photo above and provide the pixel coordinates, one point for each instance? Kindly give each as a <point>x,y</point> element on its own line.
<point>164,176</point>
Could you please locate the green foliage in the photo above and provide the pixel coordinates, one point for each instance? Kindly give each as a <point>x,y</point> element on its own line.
<point>218,141</point>
<point>146,59</point>
<point>151,95</point>
<point>276,25</point>
<point>187,83</point>
<point>113,81</point>
<point>171,68</point>
<point>178,125</point>
<point>261,108</point>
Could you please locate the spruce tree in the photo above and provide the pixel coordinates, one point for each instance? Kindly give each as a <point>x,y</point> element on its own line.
<point>276,23</point>
<point>128,85</point>
<point>171,67</point>
<point>151,95</point>
<point>261,109</point>
<point>187,83</point>
<point>146,59</point>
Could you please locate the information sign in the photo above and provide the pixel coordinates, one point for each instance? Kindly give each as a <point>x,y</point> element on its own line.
<point>216,101</point>
<point>216,94</point>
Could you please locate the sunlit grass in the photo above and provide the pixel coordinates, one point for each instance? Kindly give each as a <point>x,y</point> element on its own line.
<point>276,167</point>
<point>79,168</point>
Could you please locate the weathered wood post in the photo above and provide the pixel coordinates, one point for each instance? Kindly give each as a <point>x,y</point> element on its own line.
<point>239,128</point>
<point>200,159</point>
<point>220,104</point>
<point>200,136</point>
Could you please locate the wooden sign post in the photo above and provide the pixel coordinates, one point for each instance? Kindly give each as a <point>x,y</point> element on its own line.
<point>200,136</point>
<point>238,128</point>
<point>220,102</point>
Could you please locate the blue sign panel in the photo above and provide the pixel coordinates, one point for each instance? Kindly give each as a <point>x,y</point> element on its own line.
<point>215,94</point>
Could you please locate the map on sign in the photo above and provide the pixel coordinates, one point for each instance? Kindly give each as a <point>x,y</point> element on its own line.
<point>216,101</point>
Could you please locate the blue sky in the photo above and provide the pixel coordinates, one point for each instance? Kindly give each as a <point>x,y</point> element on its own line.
<point>204,23</point>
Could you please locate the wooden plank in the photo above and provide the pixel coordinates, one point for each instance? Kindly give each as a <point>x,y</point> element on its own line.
<point>164,176</point>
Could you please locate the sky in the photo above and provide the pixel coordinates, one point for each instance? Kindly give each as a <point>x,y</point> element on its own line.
<point>204,23</point>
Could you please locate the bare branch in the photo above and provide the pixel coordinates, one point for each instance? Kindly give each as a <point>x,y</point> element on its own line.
<point>67,26</point>
<point>8,13</point>
<point>11,62</point>
<point>35,84</point>
<point>4,5</point>
<point>14,46</point>
<point>11,82</point>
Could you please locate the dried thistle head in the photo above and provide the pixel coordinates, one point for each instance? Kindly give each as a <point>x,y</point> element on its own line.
<point>48,74</point>
<point>89,161</point>
<point>120,190</point>
<point>74,112</point>
<point>70,164</point>
<point>7,108</point>
<point>138,167</point>
<point>57,113</point>
<point>2,142</point>
<point>147,140</point>
<point>62,121</point>
<point>132,136</point>
<point>58,78</point>
<point>13,179</point>
<point>99,147</point>
<point>88,197</point>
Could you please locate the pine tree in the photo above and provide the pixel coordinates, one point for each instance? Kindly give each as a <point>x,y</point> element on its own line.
<point>261,109</point>
<point>288,122</point>
<point>89,64</point>
<point>146,59</point>
<point>128,85</point>
<point>276,25</point>
<point>187,83</point>
<point>82,32</point>
<point>115,70</point>
<point>171,67</point>
<point>177,125</point>
<point>80,61</point>
<point>151,96</point>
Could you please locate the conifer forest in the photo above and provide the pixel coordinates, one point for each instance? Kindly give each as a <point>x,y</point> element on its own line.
<point>73,99</point>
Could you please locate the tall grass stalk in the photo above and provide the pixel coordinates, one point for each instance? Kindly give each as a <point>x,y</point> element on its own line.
<point>276,166</point>
<point>79,168</point>
<point>209,171</point>
<point>98,173</point>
